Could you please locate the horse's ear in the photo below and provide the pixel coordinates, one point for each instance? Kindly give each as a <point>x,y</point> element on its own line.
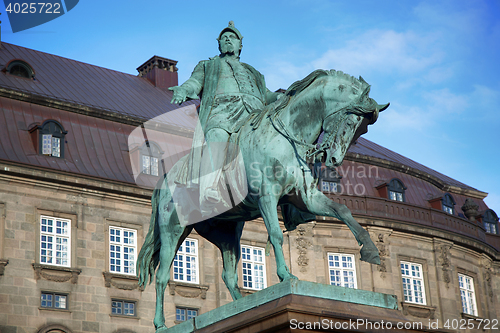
<point>362,80</point>
<point>365,93</point>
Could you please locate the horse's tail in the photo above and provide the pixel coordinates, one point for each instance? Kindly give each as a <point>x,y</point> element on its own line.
<point>149,256</point>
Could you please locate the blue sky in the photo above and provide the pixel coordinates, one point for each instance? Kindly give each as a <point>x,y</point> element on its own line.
<point>437,62</point>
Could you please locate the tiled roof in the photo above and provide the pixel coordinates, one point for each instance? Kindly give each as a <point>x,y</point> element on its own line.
<point>368,148</point>
<point>87,85</point>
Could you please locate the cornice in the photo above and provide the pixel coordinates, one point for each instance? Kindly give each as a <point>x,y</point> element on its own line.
<point>30,174</point>
<point>415,173</point>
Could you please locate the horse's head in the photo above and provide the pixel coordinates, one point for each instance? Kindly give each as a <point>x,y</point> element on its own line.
<point>345,125</point>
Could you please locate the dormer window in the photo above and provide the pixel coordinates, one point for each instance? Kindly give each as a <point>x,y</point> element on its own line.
<point>20,68</point>
<point>49,138</point>
<point>150,158</point>
<point>397,190</point>
<point>490,222</point>
<point>448,204</point>
<point>330,181</point>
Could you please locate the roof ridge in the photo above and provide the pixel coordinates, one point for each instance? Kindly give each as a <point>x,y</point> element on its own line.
<point>69,59</point>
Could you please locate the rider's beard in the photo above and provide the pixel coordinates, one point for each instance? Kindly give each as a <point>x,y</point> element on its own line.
<point>228,49</point>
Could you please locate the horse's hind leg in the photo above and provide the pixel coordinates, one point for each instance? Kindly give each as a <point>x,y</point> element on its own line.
<point>226,236</point>
<point>317,203</point>
<point>172,234</point>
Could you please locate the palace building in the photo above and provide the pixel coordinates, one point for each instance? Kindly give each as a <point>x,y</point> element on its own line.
<point>80,153</point>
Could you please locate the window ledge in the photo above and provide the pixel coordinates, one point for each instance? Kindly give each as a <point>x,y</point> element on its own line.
<point>54,309</point>
<point>3,263</point>
<point>124,316</point>
<point>418,310</point>
<point>121,281</point>
<point>469,316</point>
<point>187,289</point>
<point>56,273</point>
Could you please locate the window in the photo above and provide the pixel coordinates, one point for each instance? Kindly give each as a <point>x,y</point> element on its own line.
<point>342,270</point>
<point>55,241</point>
<point>330,180</point>
<point>466,284</point>
<point>122,250</point>
<point>490,222</point>
<point>186,262</point>
<point>329,187</point>
<point>254,268</point>
<point>183,314</point>
<point>150,158</point>
<point>448,204</point>
<point>20,68</point>
<point>49,138</point>
<point>52,300</point>
<point>397,190</point>
<point>413,283</point>
<point>125,308</point>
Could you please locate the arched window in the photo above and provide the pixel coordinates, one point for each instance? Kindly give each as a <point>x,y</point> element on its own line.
<point>51,139</point>
<point>490,222</point>
<point>397,190</point>
<point>20,68</point>
<point>151,158</point>
<point>448,204</point>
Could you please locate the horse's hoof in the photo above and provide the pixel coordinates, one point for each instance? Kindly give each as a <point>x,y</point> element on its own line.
<point>370,254</point>
<point>161,328</point>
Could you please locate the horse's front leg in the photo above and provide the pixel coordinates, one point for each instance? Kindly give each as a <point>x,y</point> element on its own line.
<point>319,204</point>
<point>267,205</point>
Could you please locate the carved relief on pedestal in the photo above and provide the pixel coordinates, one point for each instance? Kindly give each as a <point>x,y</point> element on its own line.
<point>303,243</point>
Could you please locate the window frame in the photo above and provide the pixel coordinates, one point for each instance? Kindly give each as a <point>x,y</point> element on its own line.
<point>329,178</point>
<point>342,269</point>
<point>245,262</point>
<point>175,269</point>
<point>490,219</point>
<point>412,279</point>
<point>448,202</point>
<point>396,186</point>
<point>54,234</point>
<point>54,294</point>
<point>122,302</point>
<point>185,309</point>
<point>55,130</point>
<point>18,62</point>
<point>474,292</point>
<point>151,150</point>
<point>122,252</point>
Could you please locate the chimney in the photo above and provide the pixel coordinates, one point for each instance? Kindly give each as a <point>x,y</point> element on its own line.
<point>162,72</point>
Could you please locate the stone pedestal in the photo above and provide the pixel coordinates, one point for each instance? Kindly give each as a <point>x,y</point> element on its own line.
<point>301,306</point>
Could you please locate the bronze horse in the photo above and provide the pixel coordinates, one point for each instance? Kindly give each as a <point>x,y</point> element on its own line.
<point>284,136</point>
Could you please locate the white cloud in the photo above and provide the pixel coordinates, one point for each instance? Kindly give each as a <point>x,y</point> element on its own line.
<point>383,51</point>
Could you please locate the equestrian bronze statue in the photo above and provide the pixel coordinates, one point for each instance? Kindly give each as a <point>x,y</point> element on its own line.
<point>315,120</point>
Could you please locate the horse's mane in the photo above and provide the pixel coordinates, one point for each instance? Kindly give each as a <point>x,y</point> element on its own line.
<point>300,85</point>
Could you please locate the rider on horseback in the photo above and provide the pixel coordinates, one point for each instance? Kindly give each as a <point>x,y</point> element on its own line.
<point>229,91</point>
